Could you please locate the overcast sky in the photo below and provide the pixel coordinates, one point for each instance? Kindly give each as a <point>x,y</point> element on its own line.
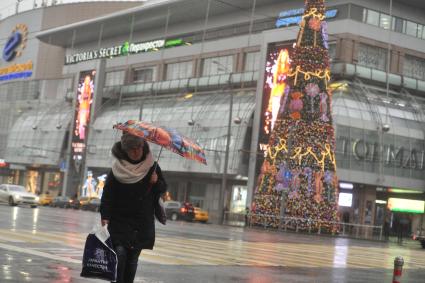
<point>8,7</point>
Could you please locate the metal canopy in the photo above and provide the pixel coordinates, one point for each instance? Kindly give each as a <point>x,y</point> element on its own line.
<point>208,114</point>
<point>368,107</point>
<point>147,17</point>
<point>37,136</point>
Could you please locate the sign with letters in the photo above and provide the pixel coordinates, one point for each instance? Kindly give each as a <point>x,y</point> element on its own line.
<point>294,16</point>
<point>122,50</point>
<point>13,48</point>
<point>390,155</point>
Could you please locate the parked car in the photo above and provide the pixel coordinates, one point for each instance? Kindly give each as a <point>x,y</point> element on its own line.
<point>62,201</point>
<point>45,199</point>
<point>176,210</point>
<point>14,195</point>
<point>82,201</point>
<point>420,236</point>
<point>201,215</point>
<point>92,205</point>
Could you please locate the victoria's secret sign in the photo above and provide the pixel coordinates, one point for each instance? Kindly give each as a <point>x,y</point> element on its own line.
<point>391,155</point>
<point>122,50</point>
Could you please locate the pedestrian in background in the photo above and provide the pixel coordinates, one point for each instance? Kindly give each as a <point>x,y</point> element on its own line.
<point>246,216</point>
<point>131,190</point>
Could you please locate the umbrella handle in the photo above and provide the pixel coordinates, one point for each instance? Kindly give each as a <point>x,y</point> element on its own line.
<point>159,155</point>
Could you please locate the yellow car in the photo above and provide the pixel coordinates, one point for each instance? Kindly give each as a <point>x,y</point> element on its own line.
<point>201,215</point>
<point>45,199</point>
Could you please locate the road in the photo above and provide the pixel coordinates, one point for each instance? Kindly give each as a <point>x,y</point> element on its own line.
<point>45,245</point>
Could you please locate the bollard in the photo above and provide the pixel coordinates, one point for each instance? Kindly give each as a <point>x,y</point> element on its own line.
<point>398,268</point>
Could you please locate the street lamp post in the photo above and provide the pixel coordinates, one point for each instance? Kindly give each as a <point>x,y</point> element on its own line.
<point>227,150</point>
<point>17,6</point>
<point>226,154</point>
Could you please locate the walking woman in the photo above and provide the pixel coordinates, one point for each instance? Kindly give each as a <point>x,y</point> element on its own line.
<point>127,206</point>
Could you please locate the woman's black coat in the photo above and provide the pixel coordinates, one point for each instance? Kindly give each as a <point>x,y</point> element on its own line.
<point>130,210</point>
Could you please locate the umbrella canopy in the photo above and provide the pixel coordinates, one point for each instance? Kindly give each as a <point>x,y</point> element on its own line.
<point>165,137</point>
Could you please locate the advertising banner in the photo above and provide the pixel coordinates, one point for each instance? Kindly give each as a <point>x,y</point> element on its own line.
<point>85,93</point>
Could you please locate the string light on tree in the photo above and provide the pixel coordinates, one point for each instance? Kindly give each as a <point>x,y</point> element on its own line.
<point>300,160</point>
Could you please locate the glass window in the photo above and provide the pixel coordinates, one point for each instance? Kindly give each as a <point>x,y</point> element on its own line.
<point>357,13</point>
<point>372,18</point>
<point>217,65</point>
<point>252,61</point>
<point>414,67</point>
<point>144,75</point>
<point>64,86</point>
<point>180,70</point>
<point>115,78</point>
<point>420,30</point>
<point>385,21</point>
<point>332,51</point>
<point>411,28</point>
<point>398,24</point>
<point>371,56</point>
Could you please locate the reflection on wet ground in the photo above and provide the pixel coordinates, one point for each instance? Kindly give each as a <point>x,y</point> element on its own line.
<point>45,245</point>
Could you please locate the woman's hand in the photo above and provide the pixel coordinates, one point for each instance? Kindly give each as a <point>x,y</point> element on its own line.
<point>154,178</point>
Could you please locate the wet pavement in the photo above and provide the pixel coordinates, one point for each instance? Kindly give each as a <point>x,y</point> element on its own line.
<point>45,245</point>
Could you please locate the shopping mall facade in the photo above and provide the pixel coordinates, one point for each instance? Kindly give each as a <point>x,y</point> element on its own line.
<point>190,71</point>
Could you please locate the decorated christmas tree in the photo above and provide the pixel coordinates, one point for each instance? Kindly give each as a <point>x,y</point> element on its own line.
<point>298,176</point>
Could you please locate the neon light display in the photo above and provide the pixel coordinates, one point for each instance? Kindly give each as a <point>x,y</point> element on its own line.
<point>85,93</point>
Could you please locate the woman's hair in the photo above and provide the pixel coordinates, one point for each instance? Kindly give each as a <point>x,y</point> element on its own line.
<point>129,141</point>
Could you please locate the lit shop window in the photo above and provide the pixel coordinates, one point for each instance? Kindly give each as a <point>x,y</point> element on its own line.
<point>372,56</point>
<point>115,78</point>
<point>252,61</point>
<point>385,21</point>
<point>414,67</point>
<point>144,75</point>
<point>217,65</point>
<point>345,199</point>
<point>180,70</point>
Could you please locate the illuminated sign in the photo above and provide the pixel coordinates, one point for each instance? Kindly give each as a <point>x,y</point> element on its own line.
<point>345,199</point>
<point>15,43</point>
<point>293,17</point>
<point>274,89</point>
<point>347,186</point>
<point>403,191</point>
<point>16,71</point>
<point>85,93</point>
<point>406,205</point>
<point>273,94</point>
<point>3,163</point>
<point>122,50</point>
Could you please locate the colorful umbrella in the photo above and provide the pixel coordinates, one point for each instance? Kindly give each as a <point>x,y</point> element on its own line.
<point>164,137</point>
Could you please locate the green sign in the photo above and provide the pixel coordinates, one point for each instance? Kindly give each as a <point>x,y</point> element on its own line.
<point>406,205</point>
<point>122,50</point>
